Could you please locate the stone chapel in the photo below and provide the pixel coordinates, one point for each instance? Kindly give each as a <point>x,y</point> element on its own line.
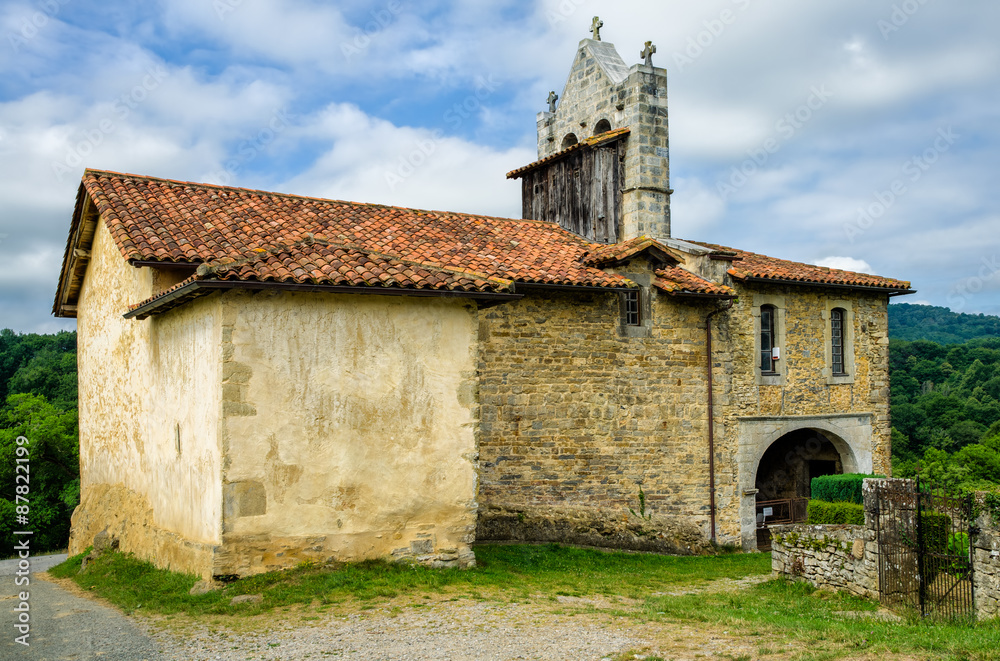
<point>267,378</point>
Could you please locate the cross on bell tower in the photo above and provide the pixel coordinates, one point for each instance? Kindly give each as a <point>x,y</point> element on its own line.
<point>596,26</point>
<point>647,53</point>
<point>606,136</point>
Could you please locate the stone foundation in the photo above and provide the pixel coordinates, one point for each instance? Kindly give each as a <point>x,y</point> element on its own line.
<point>127,517</point>
<point>674,535</point>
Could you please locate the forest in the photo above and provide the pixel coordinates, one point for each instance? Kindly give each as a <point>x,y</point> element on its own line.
<point>38,395</point>
<point>945,388</point>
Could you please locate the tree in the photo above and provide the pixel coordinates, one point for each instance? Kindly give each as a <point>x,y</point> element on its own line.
<point>49,480</point>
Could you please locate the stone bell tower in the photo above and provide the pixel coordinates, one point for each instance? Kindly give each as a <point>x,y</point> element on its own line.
<point>604,167</point>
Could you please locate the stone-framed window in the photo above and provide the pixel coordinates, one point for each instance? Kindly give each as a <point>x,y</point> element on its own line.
<point>632,308</point>
<point>837,341</point>
<point>769,334</point>
<point>766,342</point>
<point>636,307</point>
<point>838,323</point>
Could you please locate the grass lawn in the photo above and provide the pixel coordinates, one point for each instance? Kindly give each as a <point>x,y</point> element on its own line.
<point>642,588</point>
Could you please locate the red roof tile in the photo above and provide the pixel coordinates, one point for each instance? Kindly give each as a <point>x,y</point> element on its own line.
<point>593,141</point>
<point>750,265</point>
<point>615,253</point>
<point>316,261</point>
<point>680,282</point>
<point>161,220</point>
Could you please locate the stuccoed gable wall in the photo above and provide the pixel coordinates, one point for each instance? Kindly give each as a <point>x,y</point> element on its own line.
<point>149,401</point>
<point>577,417</point>
<point>349,429</point>
<point>243,432</point>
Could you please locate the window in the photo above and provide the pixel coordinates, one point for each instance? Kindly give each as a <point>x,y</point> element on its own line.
<point>630,308</point>
<point>569,140</point>
<point>603,126</point>
<point>767,338</point>
<point>837,341</point>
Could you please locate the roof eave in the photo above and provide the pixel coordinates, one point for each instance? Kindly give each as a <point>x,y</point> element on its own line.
<point>198,288</point>
<point>891,291</point>
<point>77,255</point>
<point>588,143</point>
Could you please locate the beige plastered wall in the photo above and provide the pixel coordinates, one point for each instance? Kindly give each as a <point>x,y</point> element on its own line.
<point>349,429</point>
<point>150,465</point>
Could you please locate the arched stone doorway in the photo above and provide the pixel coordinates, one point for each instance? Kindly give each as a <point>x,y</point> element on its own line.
<point>784,476</point>
<point>788,466</point>
<point>763,451</point>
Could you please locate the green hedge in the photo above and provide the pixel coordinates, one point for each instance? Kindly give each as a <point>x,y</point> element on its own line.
<point>821,512</point>
<point>844,488</point>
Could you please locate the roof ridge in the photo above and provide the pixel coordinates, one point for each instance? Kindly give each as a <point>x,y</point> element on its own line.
<point>295,196</point>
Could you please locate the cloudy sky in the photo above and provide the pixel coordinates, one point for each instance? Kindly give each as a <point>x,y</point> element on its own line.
<point>861,134</point>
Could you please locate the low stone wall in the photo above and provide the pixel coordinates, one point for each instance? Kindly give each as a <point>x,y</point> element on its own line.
<point>836,557</point>
<point>986,563</point>
<point>846,557</point>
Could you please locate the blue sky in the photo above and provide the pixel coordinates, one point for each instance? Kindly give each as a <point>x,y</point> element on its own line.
<point>858,134</point>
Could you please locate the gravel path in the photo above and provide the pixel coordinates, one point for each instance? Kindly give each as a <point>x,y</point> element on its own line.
<point>65,626</point>
<point>452,631</point>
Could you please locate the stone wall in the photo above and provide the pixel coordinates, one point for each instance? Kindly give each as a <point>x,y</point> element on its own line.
<point>832,557</point>
<point>986,562</point>
<point>579,412</point>
<point>852,413</point>
<point>847,557</point>
<point>577,418</point>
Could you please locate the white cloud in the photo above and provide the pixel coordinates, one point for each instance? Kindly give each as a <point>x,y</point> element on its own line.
<point>228,76</point>
<point>845,264</point>
<point>372,160</point>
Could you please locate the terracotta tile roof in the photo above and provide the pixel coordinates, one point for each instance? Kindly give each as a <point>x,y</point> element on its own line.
<point>614,253</point>
<point>591,142</point>
<point>748,265</point>
<point>318,262</point>
<point>366,244</point>
<point>680,282</point>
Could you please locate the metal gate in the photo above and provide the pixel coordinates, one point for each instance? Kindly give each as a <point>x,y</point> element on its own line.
<point>925,549</point>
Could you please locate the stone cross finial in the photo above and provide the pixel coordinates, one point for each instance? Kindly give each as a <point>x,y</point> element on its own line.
<point>596,26</point>
<point>553,97</point>
<point>647,53</point>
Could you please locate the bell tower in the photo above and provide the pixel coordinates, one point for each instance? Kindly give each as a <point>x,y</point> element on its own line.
<point>603,148</point>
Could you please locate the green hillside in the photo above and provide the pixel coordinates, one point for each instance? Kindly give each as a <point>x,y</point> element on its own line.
<point>937,324</point>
